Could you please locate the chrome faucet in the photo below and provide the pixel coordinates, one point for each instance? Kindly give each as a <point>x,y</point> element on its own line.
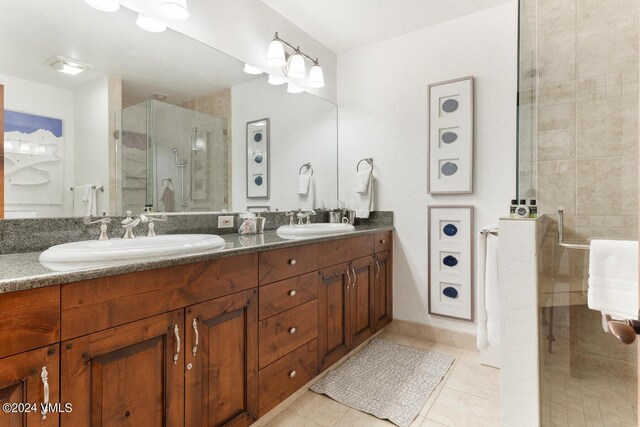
<point>150,219</point>
<point>305,214</point>
<point>129,224</point>
<point>291,215</point>
<point>103,226</point>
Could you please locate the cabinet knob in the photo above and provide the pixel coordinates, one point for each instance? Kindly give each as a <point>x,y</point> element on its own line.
<point>292,293</point>
<point>292,261</point>
<point>292,374</point>
<point>292,331</point>
<point>383,241</point>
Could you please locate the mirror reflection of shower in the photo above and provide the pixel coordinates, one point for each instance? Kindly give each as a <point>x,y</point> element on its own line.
<point>181,165</point>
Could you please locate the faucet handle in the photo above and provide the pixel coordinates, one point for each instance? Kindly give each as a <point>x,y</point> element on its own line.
<point>128,219</point>
<point>103,226</point>
<point>150,219</point>
<point>291,215</point>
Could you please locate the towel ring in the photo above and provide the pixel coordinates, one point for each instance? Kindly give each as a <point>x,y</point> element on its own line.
<point>306,165</point>
<point>368,160</point>
<point>166,180</point>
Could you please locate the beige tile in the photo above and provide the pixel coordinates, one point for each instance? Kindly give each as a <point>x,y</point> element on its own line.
<point>556,132</point>
<point>556,186</point>
<point>607,185</point>
<point>430,423</point>
<point>471,377</point>
<point>289,419</point>
<point>437,348</point>
<point>354,418</point>
<point>477,412</point>
<point>318,408</point>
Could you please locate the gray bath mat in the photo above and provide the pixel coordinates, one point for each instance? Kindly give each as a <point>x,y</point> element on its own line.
<point>388,380</point>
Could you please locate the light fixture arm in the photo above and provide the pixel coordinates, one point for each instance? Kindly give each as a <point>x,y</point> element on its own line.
<point>296,49</point>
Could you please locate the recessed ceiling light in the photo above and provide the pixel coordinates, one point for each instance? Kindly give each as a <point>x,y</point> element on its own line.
<point>66,65</point>
<point>150,24</point>
<point>159,96</point>
<point>175,9</point>
<point>104,5</point>
<point>250,69</point>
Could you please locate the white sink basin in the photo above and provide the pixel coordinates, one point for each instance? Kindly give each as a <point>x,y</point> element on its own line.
<point>302,231</point>
<point>103,251</point>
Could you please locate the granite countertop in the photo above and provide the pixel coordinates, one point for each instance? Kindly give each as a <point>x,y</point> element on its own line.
<point>23,270</point>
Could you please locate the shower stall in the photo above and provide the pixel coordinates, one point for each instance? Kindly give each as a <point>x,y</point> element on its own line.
<point>578,151</point>
<point>171,159</point>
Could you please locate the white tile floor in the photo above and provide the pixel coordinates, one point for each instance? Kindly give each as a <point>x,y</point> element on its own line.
<point>468,396</point>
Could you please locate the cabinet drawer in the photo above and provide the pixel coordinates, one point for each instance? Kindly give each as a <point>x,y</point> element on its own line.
<point>30,319</point>
<point>338,251</point>
<point>281,296</point>
<point>281,334</point>
<point>288,262</point>
<point>383,241</point>
<point>284,377</point>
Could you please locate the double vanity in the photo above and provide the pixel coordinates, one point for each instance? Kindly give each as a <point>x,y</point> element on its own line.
<point>215,337</point>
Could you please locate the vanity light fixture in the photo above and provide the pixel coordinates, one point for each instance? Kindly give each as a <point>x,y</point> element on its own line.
<point>293,64</point>
<point>104,5</point>
<point>175,9</point>
<point>250,69</point>
<point>66,65</point>
<point>150,24</point>
<point>25,148</point>
<point>276,80</point>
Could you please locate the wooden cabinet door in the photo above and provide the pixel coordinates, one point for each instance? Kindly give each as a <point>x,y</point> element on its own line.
<point>334,339</point>
<point>130,375</point>
<point>360,298</point>
<point>222,361</point>
<point>382,290</point>
<point>22,380</point>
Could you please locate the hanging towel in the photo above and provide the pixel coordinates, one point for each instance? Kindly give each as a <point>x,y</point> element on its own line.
<point>364,201</point>
<point>613,278</point>
<point>84,200</point>
<point>168,198</point>
<point>303,184</point>
<point>488,306</point>
<point>308,200</point>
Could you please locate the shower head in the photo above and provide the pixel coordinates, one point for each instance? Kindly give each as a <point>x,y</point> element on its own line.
<point>174,150</point>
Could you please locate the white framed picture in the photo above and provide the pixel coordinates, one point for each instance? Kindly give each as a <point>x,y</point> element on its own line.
<point>450,137</point>
<point>258,159</point>
<point>451,261</point>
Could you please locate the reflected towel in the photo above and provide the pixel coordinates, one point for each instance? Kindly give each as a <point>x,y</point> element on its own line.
<point>168,198</point>
<point>303,184</point>
<point>84,200</point>
<point>613,278</point>
<point>364,201</point>
<point>308,200</point>
<point>362,181</point>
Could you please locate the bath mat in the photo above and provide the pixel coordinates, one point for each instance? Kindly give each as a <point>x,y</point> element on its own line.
<point>387,380</point>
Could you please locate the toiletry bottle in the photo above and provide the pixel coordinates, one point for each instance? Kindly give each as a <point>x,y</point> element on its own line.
<point>533,209</point>
<point>512,208</point>
<point>523,210</point>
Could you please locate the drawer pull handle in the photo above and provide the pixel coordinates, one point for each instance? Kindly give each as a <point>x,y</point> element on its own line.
<point>292,330</point>
<point>292,374</point>
<point>355,277</point>
<point>44,376</point>
<point>349,277</point>
<point>292,261</point>
<point>176,332</point>
<point>292,293</point>
<point>195,329</point>
<point>378,266</point>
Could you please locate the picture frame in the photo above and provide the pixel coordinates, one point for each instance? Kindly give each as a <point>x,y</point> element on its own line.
<point>450,129</point>
<point>258,158</point>
<point>450,252</point>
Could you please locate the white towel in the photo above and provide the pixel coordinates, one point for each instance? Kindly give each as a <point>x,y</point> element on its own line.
<point>168,197</point>
<point>364,201</point>
<point>613,278</point>
<point>488,306</point>
<point>308,200</point>
<point>84,200</point>
<point>303,184</point>
<point>362,181</point>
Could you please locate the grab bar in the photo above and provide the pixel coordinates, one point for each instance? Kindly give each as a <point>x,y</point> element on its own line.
<point>561,234</point>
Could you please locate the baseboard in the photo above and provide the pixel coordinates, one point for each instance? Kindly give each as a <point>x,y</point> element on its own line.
<point>434,334</point>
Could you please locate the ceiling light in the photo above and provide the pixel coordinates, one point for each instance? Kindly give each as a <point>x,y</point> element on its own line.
<point>104,5</point>
<point>316,77</point>
<point>297,68</point>
<point>275,54</point>
<point>291,88</point>
<point>175,9</point>
<point>276,80</point>
<point>150,24</point>
<point>250,69</point>
<point>67,66</point>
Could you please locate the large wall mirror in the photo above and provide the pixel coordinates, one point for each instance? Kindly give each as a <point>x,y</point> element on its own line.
<point>156,120</point>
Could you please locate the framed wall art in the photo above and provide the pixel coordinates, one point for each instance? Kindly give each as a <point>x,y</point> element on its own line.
<point>451,261</point>
<point>258,159</point>
<point>450,137</point>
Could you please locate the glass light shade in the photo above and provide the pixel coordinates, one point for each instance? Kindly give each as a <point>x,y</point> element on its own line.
<point>150,24</point>
<point>291,88</point>
<point>25,148</point>
<point>199,140</point>
<point>175,9</point>
<point>275,54</point>
<point>316,77</point>
<point>250,69</point>
<point>42,149</point>
<point>104,5</point>
<point>276,80</point>
<point>8,146</point>
<point>297,69</point>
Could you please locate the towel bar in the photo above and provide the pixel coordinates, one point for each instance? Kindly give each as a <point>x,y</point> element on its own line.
<point>368,160</point>
<point>308,166</point>
<point>101,188</point>
<point>561,234</point>
<point>492,232</point>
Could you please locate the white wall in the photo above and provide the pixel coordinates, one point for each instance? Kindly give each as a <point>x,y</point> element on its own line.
<point>303,129</point>
<point>382,102</point>
<point>92,138</point>
<point>243,29</point>
<point>40,99</point>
